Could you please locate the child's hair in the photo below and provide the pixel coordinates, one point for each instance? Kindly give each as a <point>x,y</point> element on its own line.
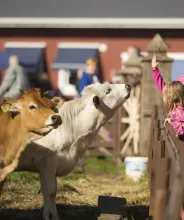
<point>173,93</point>
<point>92,61</point>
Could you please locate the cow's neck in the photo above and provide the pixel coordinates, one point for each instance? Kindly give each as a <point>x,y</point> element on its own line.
<point>12,136</point>
<point>80,118</point>
<point>80,125</point>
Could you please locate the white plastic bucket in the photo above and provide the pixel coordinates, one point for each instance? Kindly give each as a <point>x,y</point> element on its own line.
<point>135,167</point>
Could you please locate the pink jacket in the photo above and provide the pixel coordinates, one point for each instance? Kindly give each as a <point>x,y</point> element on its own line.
<point>177,115</point>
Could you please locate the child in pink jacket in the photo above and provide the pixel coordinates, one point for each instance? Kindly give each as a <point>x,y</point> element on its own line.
<point>173,96</point>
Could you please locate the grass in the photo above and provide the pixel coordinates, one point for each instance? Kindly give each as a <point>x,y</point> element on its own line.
<point>100,177</point>
<point>99,164</point>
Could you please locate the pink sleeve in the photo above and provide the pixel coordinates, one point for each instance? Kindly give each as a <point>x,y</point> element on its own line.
<point>158,79</point>
<point>178,127</point>
<point>178,121</point>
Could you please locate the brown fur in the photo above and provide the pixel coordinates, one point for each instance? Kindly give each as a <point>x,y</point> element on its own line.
<point>16,130</point>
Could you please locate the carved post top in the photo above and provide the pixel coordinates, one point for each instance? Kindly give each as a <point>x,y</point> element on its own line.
<point>133,65</point>
<point>159,47</point>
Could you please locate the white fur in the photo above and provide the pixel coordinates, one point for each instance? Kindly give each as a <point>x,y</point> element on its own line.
<point>58,153</point>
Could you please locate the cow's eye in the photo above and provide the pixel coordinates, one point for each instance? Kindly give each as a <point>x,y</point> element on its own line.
<point>32,107</point>
<point>108,91</point>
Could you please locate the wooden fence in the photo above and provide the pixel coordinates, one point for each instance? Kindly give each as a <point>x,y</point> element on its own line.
<point>166,160</point>
<point>114,128</point>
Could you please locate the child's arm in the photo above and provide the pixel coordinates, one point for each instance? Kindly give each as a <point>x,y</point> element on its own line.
<point>156,75</point>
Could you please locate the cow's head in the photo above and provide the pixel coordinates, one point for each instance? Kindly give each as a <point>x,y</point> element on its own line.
<point>107,98</point>
<point>37,112</point>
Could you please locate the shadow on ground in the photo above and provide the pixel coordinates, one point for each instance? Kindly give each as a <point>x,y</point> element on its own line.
<point>66,212</point>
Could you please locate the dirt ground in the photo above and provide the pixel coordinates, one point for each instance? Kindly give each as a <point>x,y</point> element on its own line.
<point>77,196</point>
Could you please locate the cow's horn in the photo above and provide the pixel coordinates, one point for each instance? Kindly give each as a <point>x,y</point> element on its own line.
<point>46,93</point>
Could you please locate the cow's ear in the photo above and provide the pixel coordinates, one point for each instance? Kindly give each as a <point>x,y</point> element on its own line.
<point>57,101</point>
<point>46,93</point>
<point>96,101</point>
<point>11,105</point>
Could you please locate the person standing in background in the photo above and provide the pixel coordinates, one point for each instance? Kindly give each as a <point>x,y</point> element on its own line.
<point>130,50</point>
<point>15,79</point>
<point>86,78</point>
<point>89,75</point>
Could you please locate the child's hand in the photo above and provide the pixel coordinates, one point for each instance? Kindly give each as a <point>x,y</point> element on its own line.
<point>167,120</point>
<point>154,62</point>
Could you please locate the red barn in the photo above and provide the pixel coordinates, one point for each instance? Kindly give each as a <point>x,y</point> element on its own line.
<point>111,26</point>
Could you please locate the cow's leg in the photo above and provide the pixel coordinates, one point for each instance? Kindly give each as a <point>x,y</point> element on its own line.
<point>49,187</point>
<point>8,169</point>
<point>1,186</point>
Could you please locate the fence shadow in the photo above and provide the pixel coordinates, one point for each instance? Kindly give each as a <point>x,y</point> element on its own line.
<point>66,212</point>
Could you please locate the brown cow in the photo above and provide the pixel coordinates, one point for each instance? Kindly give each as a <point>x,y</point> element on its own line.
<point>22,120</point>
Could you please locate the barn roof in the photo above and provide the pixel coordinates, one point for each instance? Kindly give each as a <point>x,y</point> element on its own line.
<point>90,14</point>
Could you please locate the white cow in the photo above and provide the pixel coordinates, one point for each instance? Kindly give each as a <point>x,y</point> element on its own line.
<point>58,153</point>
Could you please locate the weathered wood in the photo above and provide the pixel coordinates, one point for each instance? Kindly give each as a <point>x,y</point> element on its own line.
<point>109,204</point>
<point>166,175</point>
<point>130,135</point>
<point>109,217</point>
<point>161,191</point>
<point>154,162</point>
<point>150,96</point>
<point>117,134</point>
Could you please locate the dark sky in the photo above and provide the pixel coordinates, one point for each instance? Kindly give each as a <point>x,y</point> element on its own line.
<point>93,8</point>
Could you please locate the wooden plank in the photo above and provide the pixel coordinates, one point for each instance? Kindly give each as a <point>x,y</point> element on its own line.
<point>109,217</point>
<point>109,204</point>
<point>117,134</point>
<point>161,191</point>
<point>174,180</point>
<point>153,167</point>
<point>151,144</point>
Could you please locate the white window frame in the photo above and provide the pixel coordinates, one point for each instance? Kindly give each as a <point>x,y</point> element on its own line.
<point>102,47</point>
<point>17,44</point>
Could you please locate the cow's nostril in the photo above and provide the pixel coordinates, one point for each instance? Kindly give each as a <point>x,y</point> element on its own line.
<point>54,118</point>
<point>128,87</point>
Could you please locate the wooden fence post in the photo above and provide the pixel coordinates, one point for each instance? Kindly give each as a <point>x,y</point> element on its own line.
<point>153,179</point>
<point>116,134</point>
<point>166,175</point>
<point>130,118</point>
<point>150,95</point>
<point>161,191</point>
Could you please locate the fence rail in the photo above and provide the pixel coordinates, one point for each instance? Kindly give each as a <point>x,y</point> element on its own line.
<point>166,158</point>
